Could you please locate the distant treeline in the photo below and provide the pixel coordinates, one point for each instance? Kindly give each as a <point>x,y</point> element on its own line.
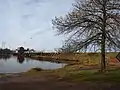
<point>5,51</point>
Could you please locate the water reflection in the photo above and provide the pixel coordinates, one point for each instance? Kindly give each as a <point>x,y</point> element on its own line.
<point>12,64</point>
<point>5,56</point>
<point>20,59</point>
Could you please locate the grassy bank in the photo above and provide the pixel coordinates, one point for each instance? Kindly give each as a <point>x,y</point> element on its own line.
<point>81,58</point>
<point>112,76</point>
<point>78,73</point>
<point>83,67</point>
<point>94,76</point>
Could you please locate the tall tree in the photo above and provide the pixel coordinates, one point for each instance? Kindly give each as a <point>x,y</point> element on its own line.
<point>92,24</point>
<point>21,50</point>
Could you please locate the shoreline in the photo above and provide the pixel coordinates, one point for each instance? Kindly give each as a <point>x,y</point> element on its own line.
<point>51,59</point>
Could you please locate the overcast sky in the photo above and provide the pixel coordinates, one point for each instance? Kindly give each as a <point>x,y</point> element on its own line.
<point>28,23</point>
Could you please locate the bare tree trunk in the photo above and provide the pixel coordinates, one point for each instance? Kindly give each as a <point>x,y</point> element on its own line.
<point>103,62</point>
<point>103,65</point>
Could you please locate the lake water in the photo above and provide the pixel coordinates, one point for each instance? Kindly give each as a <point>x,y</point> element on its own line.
<point>14,65</point>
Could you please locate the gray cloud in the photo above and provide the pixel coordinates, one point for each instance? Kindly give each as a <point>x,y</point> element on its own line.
<point>22,19</point>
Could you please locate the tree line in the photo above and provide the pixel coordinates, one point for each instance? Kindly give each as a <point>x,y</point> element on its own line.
<point>5,51</point>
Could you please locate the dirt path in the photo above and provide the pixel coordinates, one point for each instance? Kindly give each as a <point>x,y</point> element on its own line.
<point>37,83</point>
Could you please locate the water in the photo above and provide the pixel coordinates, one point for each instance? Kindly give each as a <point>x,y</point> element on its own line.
<point>14,65</point>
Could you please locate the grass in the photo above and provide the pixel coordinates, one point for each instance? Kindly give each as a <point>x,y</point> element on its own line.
<point>2,75</point>
<point>94,76</point>
<point>74,73</point>
<point>80,71</point>
<point>83,58</point>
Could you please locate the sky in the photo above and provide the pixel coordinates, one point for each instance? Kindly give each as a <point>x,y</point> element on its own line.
<point>28,23</point>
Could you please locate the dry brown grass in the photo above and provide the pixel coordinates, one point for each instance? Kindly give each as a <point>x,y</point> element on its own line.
<point>86,58</point>
<point>81,58</point>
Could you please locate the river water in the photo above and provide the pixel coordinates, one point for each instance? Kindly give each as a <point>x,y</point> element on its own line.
<point>12,64</point>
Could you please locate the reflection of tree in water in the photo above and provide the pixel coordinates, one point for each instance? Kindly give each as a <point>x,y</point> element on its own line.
<point>20,59</point>
<point>27,59</point>
<point>5,57</point>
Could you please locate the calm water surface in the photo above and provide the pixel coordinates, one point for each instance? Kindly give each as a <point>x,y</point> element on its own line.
<point>13,65</point>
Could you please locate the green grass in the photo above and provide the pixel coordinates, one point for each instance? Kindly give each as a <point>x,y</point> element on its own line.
<point>94,76</point>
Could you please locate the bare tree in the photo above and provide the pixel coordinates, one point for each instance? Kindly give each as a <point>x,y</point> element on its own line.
<point>92,23</point>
